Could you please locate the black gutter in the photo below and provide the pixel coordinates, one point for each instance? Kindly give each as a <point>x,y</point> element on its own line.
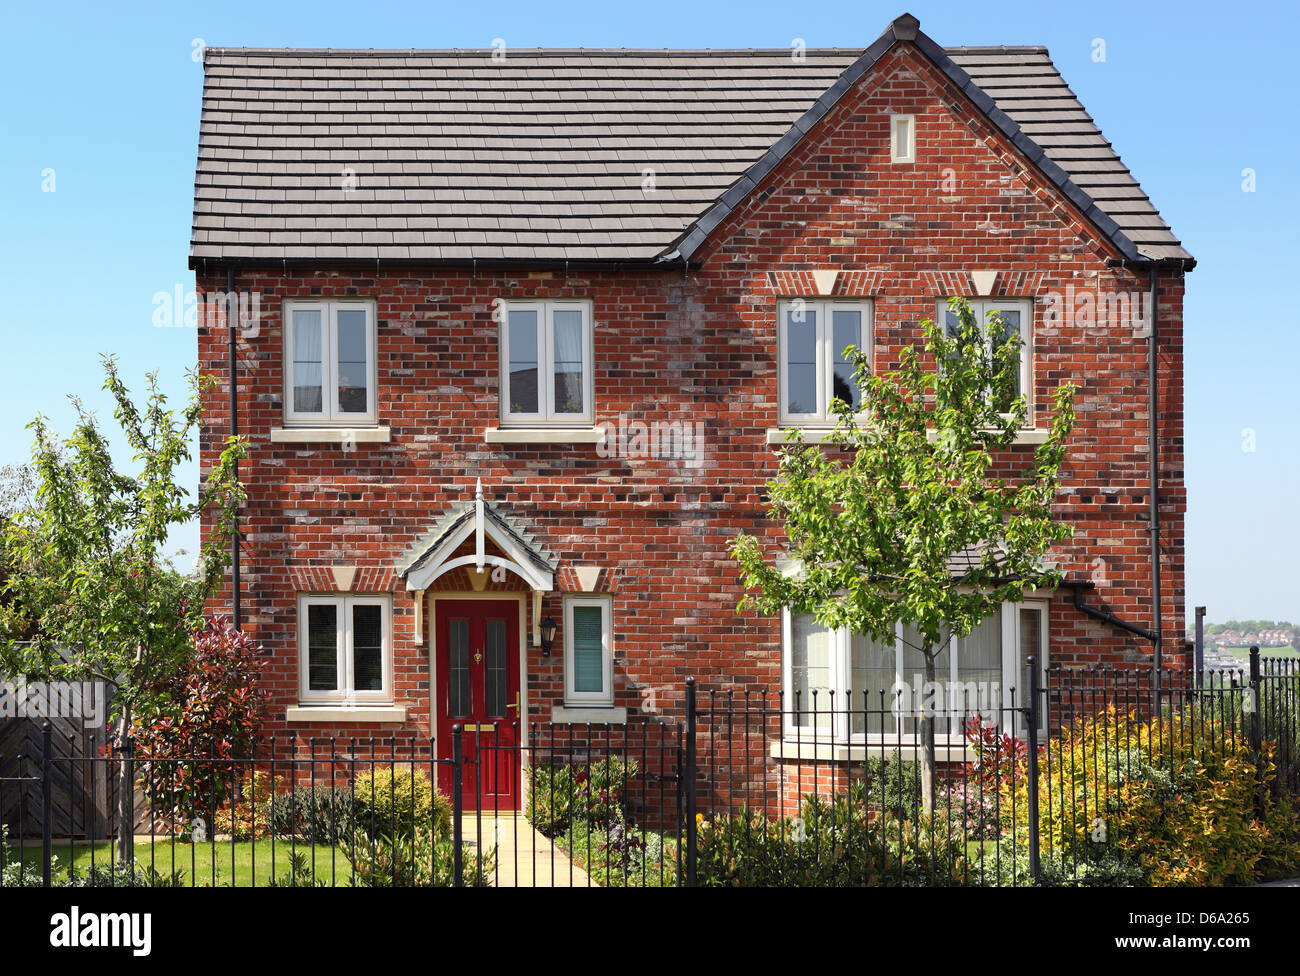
<point>1144,264</point>
<point>370,266</point>
<point>1100,614</point>
<point>232,319</point>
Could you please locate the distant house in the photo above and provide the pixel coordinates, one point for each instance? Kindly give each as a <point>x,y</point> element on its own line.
<point>474,271</point>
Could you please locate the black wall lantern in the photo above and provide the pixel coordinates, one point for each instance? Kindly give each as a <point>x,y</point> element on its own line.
<point>548,636</point>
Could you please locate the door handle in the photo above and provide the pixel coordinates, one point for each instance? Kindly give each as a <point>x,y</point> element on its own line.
<point>516,701</point>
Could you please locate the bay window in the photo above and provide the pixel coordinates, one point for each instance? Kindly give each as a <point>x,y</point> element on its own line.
<point>845,687</point>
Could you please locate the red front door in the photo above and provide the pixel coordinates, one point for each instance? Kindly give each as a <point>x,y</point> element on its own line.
<point>477,645</point>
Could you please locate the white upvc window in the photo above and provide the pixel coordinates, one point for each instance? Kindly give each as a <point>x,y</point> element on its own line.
<point>329,362</point>
<point>547,363</point>
<point>1017,318</point>
<point>812,337</point>
<point>345,649</point>
<point>845,687</point>
<point>588,651</point>
<point>902,138</point>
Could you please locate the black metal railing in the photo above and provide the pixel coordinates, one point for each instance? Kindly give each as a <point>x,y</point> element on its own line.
<point>742,788</point>
<point>545,805</point>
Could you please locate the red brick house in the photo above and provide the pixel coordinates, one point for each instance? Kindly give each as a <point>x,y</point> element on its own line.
<point>520,340</point>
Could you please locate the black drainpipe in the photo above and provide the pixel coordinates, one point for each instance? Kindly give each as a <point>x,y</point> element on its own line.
<point>1153,451</point>
<point>1106,615</point>
<point>232,319</point>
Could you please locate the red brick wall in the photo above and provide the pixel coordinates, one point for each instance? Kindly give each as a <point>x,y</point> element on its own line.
<point>701,346</point>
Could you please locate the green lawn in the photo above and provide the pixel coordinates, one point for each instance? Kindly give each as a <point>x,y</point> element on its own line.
<point>242,864</point>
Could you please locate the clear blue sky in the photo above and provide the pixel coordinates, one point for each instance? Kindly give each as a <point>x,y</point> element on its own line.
<point>107,96</point>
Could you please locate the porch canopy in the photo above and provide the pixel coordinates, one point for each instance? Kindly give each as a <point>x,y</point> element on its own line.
<point>435,554</point>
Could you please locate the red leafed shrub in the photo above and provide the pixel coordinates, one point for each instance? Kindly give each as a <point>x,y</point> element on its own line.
<point>997,754</point>
<point>210,714</point>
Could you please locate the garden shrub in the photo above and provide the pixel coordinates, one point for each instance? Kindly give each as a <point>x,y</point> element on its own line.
<point>248,814</point>
<point>894,785</point>
<point>585,809</point>
<point>317,814</point>
<point>399,801</point>
<point>1179,798</point>
<point>595,794</point>
<point>834,842</point>
<point>122,876</point>
<point>192,745</point>
<point>299,875</point>
<point>385,861</point>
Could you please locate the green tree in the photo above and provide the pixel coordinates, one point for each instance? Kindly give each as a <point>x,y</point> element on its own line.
<point>85,560</point>
<point>871,530</point>
<point>17,495</point>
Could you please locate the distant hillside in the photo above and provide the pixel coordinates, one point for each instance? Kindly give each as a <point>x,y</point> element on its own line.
<point>1246,633</point>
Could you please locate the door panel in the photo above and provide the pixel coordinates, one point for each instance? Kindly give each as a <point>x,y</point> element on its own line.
<point>477,649</point>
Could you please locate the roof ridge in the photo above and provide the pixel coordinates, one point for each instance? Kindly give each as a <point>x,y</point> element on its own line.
<point>1003,48</point>
<point>544,51</point>
<point>379,52</point>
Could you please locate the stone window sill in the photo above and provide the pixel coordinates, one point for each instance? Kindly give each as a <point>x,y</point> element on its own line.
<point>544,435</point>
<point>792,750</point>
<point>345,713</point>
<point>331,435</point>
<point>575,715</point>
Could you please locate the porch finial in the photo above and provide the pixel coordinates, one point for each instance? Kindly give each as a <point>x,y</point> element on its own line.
<point>479,528</point>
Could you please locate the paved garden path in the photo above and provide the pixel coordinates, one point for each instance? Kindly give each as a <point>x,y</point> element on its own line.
<point>525,859</point>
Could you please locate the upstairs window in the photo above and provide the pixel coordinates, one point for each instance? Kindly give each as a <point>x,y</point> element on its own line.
<point>546,363</point>
<point>811,340</point>
<point>330,362</point>
<point>1017,318</point>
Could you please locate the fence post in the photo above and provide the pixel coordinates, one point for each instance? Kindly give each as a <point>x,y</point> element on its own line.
<point>1256,728</point>
<point>1031,734</point>
<point>457,805</point>
<point>126,803</point>
<point>691,799</point>
<point>47,808</point>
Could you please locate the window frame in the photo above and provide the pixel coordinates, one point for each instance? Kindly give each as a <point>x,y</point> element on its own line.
<point>907,153</point>
<point>546,416</point>
<point>330,414</point>
<point>839,732</point>
<point>980,307</point>
<point>826,354</point>
<point>345,693</point>
<point>590,699</point>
